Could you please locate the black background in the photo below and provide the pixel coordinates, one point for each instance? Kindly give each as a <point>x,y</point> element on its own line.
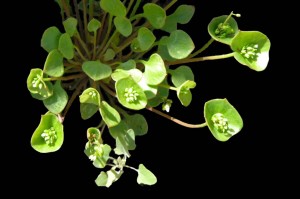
<point>185,161</point>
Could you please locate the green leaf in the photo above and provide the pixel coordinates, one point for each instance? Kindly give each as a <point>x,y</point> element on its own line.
<point>94,134</point>
<point>184,13</point>
<point>110,115</point>
<point>130,94</point>
<point>38,88</point>
<point>65,46</point>
<point>149,90</point>
<point>101,159</point>
<point>50,38</point>
<point>180,44</point>
<point>90,96</point>
<point>155,14</point>
<point>170,24</point>
<point>251,49</point>
<point>155,70</point>
<point>221,32</point>
<point>145,176</point>
<point>181,74</point>
<point>113,176</point>
<point>88,110</point>
<point>48,136</point>
<point>58,101</point>
<point>123,25</point>
<point>184,94</point>
<point>109,54</point>
<point>137,123</point>
<point>130,64</point>
<point>54,65</point>
<point>222,119</point>
<point>96,70</point>
<point>94,25</point>
<point>161,96</point>
<point>163,49</point>
<point>70,26</point>
<point>145,38</point>
<point>113,7</point>
<point>101,180</point>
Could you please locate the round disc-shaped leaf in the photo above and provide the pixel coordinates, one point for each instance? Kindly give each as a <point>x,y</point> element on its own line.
<point>180,44</point>
<point>65,46</point>
<point>88,110</point>
<point>113,7</point>
<point>123,25</point>
<point>90,96</point>
<point>181,74</point>
<point>155,14</point>
<point>251,49</point>
<point>58,101</point>
<point>221,32</point>
<point>130,94</point>
<point>145,38</point>
<point>110,115</point>
<point>50,38</point>
<point>38,88</point>
<point>94,25</point>
<point>145,176</point>
<point>137,123</point>
<point>70,25</point>
<point>184,13</point>
<point>96,70</point>
<point>54,65</point>
<point>155,70</point>
<point>229,120</point>
<point>184,94</point>
<point>48,136</point>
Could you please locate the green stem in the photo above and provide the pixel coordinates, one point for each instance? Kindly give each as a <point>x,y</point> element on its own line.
<point>130,5</point>
<point>91,9</point>
<point>83,45</point>
<point>108,43</point>
<point>85,19</point>
<point>100,30</point>
<point>176,120</point>
<point>205,46</point>
<point>198,59</point>
<point>64,78</point>
<point>170,5</point>
<point>80,53</point>
<point>136,6</point>
<point>129,167</point>
<point>94,44</point>
<point>106,34</point>
<point>66,8</point>
<point>168,87</point>
<point>78,17</point>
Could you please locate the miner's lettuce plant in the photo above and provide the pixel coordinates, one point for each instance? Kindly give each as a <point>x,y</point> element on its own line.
<point>111,59</point>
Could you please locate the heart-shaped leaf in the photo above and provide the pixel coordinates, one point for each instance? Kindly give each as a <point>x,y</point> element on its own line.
<point>94,25</point>
<point>58,101</point>
<point>96,70</point>
<point>70,26</point>
<point>54,65</point>
<point>155,14</point>
<point>184,94</point>
<point>155,70</point>
<point>123,25</point>
<point>50,38</point>
<point>88,110</point>
<point>48,136</point>
<point>181,74</point>
<point>113,7</point>
<point>180,44</point>
<point>65,46</point>
<point>145,176</point>
<point>110,115</point>
<point>184,13</point>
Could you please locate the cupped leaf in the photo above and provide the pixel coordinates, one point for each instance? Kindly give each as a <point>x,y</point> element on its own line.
<point>58,101</point>
<point>181,74</point>
<point>130,94</point>
<point>39,88</point>
<point>90,96</point>
<point>251,49</point>
<point>145,176</point>
<point>123,25</point>
<point>94,25</point>
<point>110,115</point>
<point>180,44</point>
<point>184,94</point>
<point>222,29</point>
<point>137,123</point>
<point>70,26</point>
<point>222,119</point>
<point>155,70</point>
<point>54,65</point>
<point>88,110</point>
<point>65,46</point>
<point>50,38</point>
<point>96,70</point>
<point>48,136</point>
<point>155,14</point>
<point>113,7</point>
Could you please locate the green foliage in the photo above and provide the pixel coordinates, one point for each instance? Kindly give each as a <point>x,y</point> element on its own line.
<point>119,57</point>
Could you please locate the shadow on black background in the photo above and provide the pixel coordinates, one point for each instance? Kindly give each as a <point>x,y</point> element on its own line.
<point>185,161</point>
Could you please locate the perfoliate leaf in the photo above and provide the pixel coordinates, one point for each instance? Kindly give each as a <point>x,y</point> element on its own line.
<point>110,115</point>
<point>96,70</point>
<point>58,101</point>
<point>65,46</point>
<point>54,64</point>
<point>70,26</point>
<point>180,44</point>
<point>155,14</point>
<point>48,136</point>
<point>145,176</point>
<point>90,96</point>
<point>50,38</point>
<point>222,119</point>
